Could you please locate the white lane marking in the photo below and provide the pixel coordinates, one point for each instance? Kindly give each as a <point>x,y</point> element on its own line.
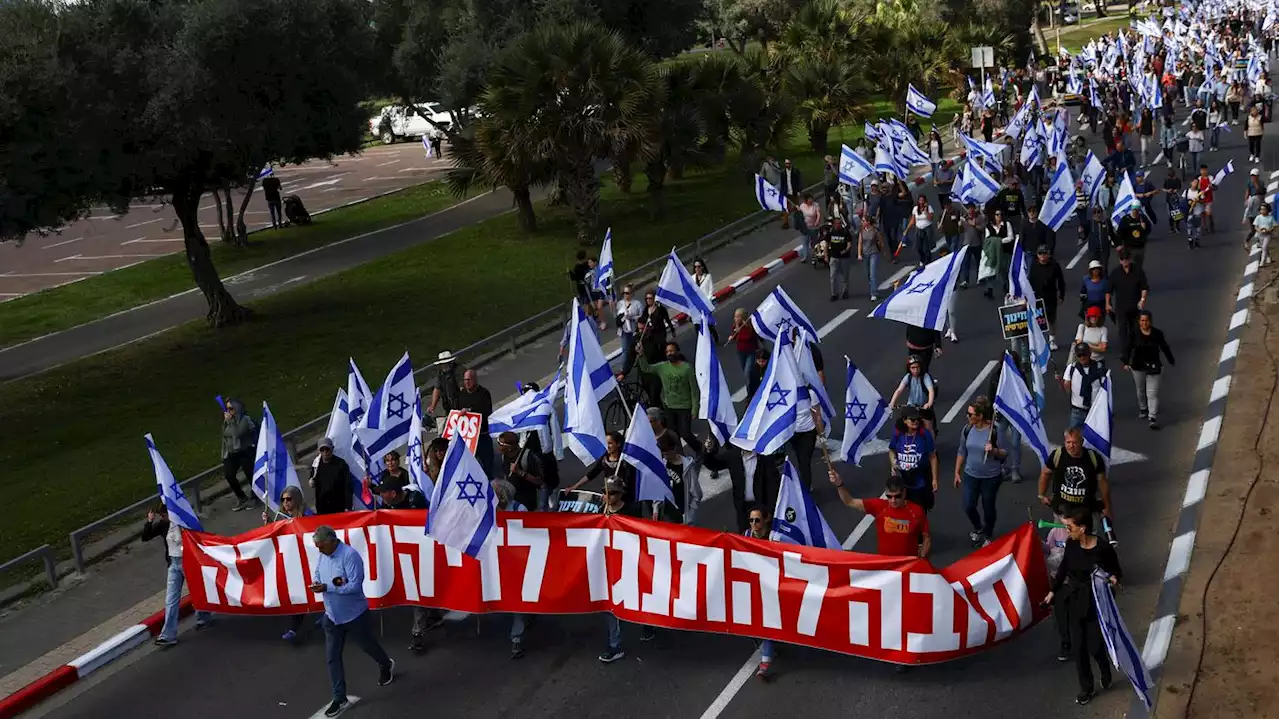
<point>60,244</point>
<point>104,217</point>
<point>106,257</point>
<point>830,327</point>
<point>140,224</point>
<point>1156,647</point>
<point>379,179</point>
<point>733,687</point>
<point>1079,256</point>
<point>352,700</point>
<point>852,540</point>
<point>51,274</point>
<point>968,391</point>
<point>412,169</point>
<point>1180,555</point>
<point>739,394</point>
<point>144,239</point>
<point>1229,351</point>
<point>10,294</point>
<point>1196,487</point>
<point>1238,319</point>
<point>1221,386</point>
<point>1209,433</point>
<point>322,183</point>
<point>388,162</point>
<point>897,276</point>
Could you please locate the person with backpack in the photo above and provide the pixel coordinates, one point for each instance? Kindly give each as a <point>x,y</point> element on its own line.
<point>239,439</point>
<point>1075,476</point>
<point>1080,382</point>
<point>913,457</point>
<point>918,385</point>
<point>980,468</point>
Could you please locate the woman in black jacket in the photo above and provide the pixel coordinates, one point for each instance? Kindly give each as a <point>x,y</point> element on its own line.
<point>1142,358</point>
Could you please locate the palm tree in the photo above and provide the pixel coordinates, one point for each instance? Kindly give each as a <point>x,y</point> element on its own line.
<point>570,95</point>
<point>922,52</point>
<point>762,113</point>
<point>491,155</point>
<point>823,75</point>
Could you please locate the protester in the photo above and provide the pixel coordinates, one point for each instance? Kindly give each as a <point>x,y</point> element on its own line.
<point>611,466</point>
<point>475,398</point>
<point>1071,594</point>
<point>913,458</point>
<point>789,186</point>
<point>979,468</point>
<point>331,480</point>
<point>871,246</point>
<point>746,341</point>
<point>1204,187</point>
<point>974,227</point>
<point>1133,231</point>
<point>1142,358</point>
<point>338,577</point>
<point>1264,228</point>
<point>505,494</point>
<point>1253,198</point>
<point>920,391</point>
<point>679,391</point>
<point>1253,131</point>
<point>758,527</point>
<point>1081,381</point>
<point>239,440</point>
<point>1045,275</point>
<point>1127,295</point>
<point>615,503</point>
<point>1075,476</point>
<point>271,193</point>
<point>902,527</point>
<point>292,506</point>
<point>158,525</point>
<point>922,220</point>
<point>522,467</point>
<point>629,311</point>
<point>839,247</point>
<point>1092,333</point>
<point>392,475</point>
<point>682,478</point>
<point>445,393</point>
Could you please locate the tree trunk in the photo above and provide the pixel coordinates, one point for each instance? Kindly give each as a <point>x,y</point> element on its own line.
<point>818,136</point>
<point>524,209</point>
<point>622,173</point>
<point>230,237</point>
<point>242,232</point>
<point>656,171</point>
<point>223,308</point>
<point>582,193</point>
<point>223,230</point>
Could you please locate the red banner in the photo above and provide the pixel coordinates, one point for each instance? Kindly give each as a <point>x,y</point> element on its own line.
<point>897,609</point>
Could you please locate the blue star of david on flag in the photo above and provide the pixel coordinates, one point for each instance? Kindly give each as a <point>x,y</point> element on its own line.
<point>1033,412</point>
<point>922,287</point>
<point>1057,196</point>
<point>396,405</point>
<point>783,326</point>
<point>470,490</point>
<point>781,394</point>
<point>861,416</point>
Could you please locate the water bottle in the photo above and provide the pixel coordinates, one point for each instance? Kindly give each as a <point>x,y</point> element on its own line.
<point>1109,531</point>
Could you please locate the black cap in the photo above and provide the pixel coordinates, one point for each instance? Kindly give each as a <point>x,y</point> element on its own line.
<point>911,413</point>
<point>1082,349</point>
<point>1123,253</point>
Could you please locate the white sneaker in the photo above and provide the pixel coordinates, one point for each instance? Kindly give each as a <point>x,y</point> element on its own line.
<point>1053,344</point>
<point>951,335</point>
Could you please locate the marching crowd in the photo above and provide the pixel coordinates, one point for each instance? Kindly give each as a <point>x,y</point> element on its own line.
<point>1212,76</point>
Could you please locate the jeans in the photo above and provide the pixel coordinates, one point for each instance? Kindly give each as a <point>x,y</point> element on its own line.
<point>873,264</point>
<point>802,445</point>
<point>1148,388</point>
<point>173,600</point>
<point>360,630</point>
<point>806,245</point>
<point>985,488</point>
<point>969,264</point>
<point>892,233</point>
<point>1078,416</point>
<point>234,463</point>
<point>838,274</point>
<point>628,341</point>
<point>746,358</point>
<point>924,244</point>
<point>1144,142</point>
<point>766,650</point>
<point>615,631</point>
<point>1213,137</point>
<point>277,214</point>
<point>518,622</point>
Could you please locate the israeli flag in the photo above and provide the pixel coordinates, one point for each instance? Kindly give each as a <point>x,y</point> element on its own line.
<point>1019,273</point>
<point>677,290</point>
<point>769,197</point>
<point>808,370</point>
<point>1060,202</point>
<point>426,145</point>
<point>988,94</point>
<point>386,425</point>
<point>1075,85</point>
<point>1125,655</point>
<point>1157,94</point>
<point>1021,119</point>
<point>174,499</point>
<point>715,403</point>
<point>344,447</point>
<point>1015,402</point>
<point>1031,150</point>
<point>417,453</point>
<point>272,468</point>
<point>265,172</point>
<point>870,131</point>
<point>1038,348</point>
<point>1092,176</point>
<point>530,411</point>
<point>604,267</point>
<point>1097,424</point>
<point>358,393</point>
<point>778,315</point>
<point>640,450</point>
<point>865,412</point>
<point>979,186</point>
<point>770,418</point>
<point>1227,169</point>
<point>853,167</point>
<point>1058,137</point>
<point>583,424</point>
<point>1125,196</point>
<point>918,103</point>
<point>796,517</point>
<point>925,298</point>
<point>886,161</point>
<point>464,509</point>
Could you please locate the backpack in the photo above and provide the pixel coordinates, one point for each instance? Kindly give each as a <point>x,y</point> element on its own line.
<point>1095,460</point>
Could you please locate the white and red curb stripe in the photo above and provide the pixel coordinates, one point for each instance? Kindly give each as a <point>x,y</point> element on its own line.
<point>750,278</point>
<point>87,663</point>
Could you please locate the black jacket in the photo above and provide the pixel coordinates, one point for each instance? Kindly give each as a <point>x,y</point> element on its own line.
<point>158,528</point>
<point>409,499</point>
<point>332,482</point>
<point>1047,281</point>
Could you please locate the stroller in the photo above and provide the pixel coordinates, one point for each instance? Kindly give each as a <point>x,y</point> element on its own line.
<point>821,243</point>
<point>296,211</point>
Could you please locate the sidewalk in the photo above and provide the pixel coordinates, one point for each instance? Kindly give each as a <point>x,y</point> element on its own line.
<point>44,632</point>
<point>1222,658</point>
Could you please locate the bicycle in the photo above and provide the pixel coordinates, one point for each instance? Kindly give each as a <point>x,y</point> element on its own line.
<point>629,394</point>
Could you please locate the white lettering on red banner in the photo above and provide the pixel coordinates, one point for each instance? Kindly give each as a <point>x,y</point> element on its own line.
<point>897,609</point>
<point>465,424</point>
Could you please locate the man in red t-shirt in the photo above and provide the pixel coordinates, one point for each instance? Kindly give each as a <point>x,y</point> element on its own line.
<point>1204,185</point>
<point>902,527</point>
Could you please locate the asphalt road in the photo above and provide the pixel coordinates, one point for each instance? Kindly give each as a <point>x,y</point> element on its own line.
<point>104,241</point>
<point>242,667</point>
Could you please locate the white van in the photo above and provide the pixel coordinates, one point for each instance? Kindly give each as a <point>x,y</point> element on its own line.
<point>401,122</point>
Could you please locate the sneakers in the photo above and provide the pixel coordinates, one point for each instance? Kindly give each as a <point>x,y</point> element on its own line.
<point>1142,414</point>
<point>844,295</point>
<point>951,335</point>
<point>289,636</point>
<point>964,284</point>
<point>1154,425</point>
<point>834,298</point>
<point>1064,652</point>
<point>986,542</point>
<point>1106,681</point>
<point>164,643</point>
<point>387,674</point>
<point>764,672</point>
<point>1083,698</point>
<point>648,634</point>
<point>611,655</point>
<point>517,651</point>
<point>246,503</point>
<point>975,538</point>
<point>203,624</point>
<point>337,707</point>
<point>1053,343</point>
<point>417,644</point>
<point>874,298</point>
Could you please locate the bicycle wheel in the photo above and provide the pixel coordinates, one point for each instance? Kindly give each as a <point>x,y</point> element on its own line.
<point>615,416</point>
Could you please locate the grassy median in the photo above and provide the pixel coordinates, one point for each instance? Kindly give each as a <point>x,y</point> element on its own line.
<point>75,450</point>
<point>69,305</point>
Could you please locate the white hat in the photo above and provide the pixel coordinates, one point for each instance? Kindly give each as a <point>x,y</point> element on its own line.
<point>1254,171</point>
<point>1095,265</point>
<point>445,357</point>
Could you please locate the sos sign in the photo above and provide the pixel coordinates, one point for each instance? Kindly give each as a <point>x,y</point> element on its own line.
<point>465,424</point>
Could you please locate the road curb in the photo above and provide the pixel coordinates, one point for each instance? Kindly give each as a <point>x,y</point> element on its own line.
<point>87,663</point>
<point>1160,633</point>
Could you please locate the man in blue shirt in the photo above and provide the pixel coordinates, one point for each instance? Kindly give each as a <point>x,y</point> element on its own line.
<point>339,578</point>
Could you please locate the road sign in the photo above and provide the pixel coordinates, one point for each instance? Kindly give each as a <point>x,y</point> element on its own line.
<point>466,424</point>
<point>1013,319</point>
<point>983,56</point>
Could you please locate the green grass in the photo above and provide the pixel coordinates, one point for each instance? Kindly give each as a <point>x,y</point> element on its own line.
<point>1076,37</point>
<point>82,424</point>
<point>69,305</point>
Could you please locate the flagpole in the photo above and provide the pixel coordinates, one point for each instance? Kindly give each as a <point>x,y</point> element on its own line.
<point>822,436</point>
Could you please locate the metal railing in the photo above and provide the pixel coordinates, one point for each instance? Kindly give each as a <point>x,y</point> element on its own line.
<point>45,554</point>
<point>302,440</point>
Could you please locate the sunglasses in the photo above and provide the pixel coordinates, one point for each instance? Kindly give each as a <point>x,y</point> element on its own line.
<point>612,494</point>
<point>894,496</point>
<point>755,520</point>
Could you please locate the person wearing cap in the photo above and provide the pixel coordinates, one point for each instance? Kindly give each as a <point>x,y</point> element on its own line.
<point>1172,189</point>
<point>338,577</point>
<point>331,479</point>
<point>944,179</point>
<point>1093,334</point>
<point>839,249</point>
<point>1144,190</point>
<point>913,457</point>
<point>1126,296</point>
<point>1133,231</point>
<point>1047,282</point>
<point>445,393</point>
<point>1080,382</point>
